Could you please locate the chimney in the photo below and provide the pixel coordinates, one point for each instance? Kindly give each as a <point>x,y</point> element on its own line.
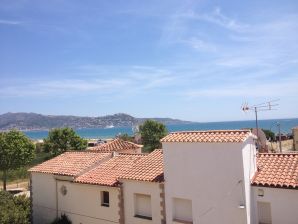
<point>114,153</point>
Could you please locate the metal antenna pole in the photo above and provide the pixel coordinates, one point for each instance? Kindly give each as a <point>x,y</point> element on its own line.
<point>257,126</point>
<point>260,107</point>
<point>279,137</point>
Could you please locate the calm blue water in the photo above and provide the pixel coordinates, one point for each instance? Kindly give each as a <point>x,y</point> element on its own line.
<point>286,126</point>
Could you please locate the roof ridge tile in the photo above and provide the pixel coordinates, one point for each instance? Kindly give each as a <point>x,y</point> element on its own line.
<point>206,136</point>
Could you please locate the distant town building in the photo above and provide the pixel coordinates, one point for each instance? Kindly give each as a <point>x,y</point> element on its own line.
<point>118,145</point>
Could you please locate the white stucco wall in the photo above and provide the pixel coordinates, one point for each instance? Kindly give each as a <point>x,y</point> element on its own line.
<point>209,174</point>
<point>82,203</point>
<point>43,198</point>
<point>284,204</point>
<point>249,169</point>
<point>130,188</point>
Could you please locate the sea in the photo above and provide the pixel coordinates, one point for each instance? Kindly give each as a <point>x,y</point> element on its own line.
<point>105,133</point>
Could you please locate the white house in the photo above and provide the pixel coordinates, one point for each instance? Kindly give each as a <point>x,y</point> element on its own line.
<point>85,187</point>
<point>48,179</point>
<point>198,177</point>
<point>208,176</point>
<point>275,188</point>
<point>217,177</point>
<point>94,197</point>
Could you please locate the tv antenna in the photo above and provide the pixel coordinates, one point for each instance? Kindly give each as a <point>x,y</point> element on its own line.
<point>269,105</point>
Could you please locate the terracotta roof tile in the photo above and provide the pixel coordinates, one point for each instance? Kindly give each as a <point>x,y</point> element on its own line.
<point>116,145</point>
<point>149,168</point>
<point>108,172</point>
<point>70,163</point>
<point>214,136</point>
<point>277,170</point>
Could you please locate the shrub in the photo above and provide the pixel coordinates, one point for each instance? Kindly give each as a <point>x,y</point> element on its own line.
<point>62,220</point>
<point>14,210</point>
<point>126,137</point>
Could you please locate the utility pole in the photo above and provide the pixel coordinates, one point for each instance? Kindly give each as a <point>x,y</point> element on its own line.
<point>279,137</point>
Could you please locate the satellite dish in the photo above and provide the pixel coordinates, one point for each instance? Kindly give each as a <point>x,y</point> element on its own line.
<point>262,140</point>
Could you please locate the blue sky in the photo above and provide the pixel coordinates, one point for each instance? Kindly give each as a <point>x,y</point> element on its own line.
<point>193,60</point>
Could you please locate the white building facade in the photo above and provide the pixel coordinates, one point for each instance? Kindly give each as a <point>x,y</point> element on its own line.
<point>200,177</point>
<point>208,182</point>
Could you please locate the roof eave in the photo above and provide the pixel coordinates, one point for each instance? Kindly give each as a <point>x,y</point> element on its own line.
<point>274,186</point>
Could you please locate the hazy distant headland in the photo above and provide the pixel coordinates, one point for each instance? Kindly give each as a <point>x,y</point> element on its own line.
<point>33,121</point>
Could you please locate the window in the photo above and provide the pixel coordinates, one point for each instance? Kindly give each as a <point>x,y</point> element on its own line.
<point>264,211</point>
<point>105,199</point>
<point>182,210</point>
<point>260,192</point>
<point>143,206</point>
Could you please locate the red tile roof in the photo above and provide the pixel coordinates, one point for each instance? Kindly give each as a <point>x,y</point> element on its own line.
<point>70,163</point>
<point>116,145</point>
<point>214,136</point>
<point>277,170</point>
<point>148,168</point>
<point>108,172</point>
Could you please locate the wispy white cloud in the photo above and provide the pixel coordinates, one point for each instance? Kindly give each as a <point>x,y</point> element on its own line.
<point>103,82</point>
<point>66,87</point>
<point>82,85</point>
<point>267,43</point>
<point>258,89</point>
<point>9,22</point>
<point>182,28</point>
<point>239,61</point>
<point>198,44</point>
<point>218,18</point>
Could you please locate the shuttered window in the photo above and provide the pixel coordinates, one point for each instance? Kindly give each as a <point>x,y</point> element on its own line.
<point>182,210</point>
<point>264,211</point>
<point>143,206</point>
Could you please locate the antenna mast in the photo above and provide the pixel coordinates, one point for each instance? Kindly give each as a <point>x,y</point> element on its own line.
<point>270,105</point>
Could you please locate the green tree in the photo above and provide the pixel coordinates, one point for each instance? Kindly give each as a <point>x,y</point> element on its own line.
<point>14,210</point>
<point>126,137</point>
<point>151,132</point>
<point>269,134</point>
<point>16,150</point>
<point>63,139</point>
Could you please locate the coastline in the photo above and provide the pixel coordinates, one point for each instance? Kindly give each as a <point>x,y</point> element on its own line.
<point>182,123</point>
<point>103,133</point>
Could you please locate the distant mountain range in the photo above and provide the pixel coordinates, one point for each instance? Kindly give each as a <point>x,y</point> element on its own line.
<point>33,121</point>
